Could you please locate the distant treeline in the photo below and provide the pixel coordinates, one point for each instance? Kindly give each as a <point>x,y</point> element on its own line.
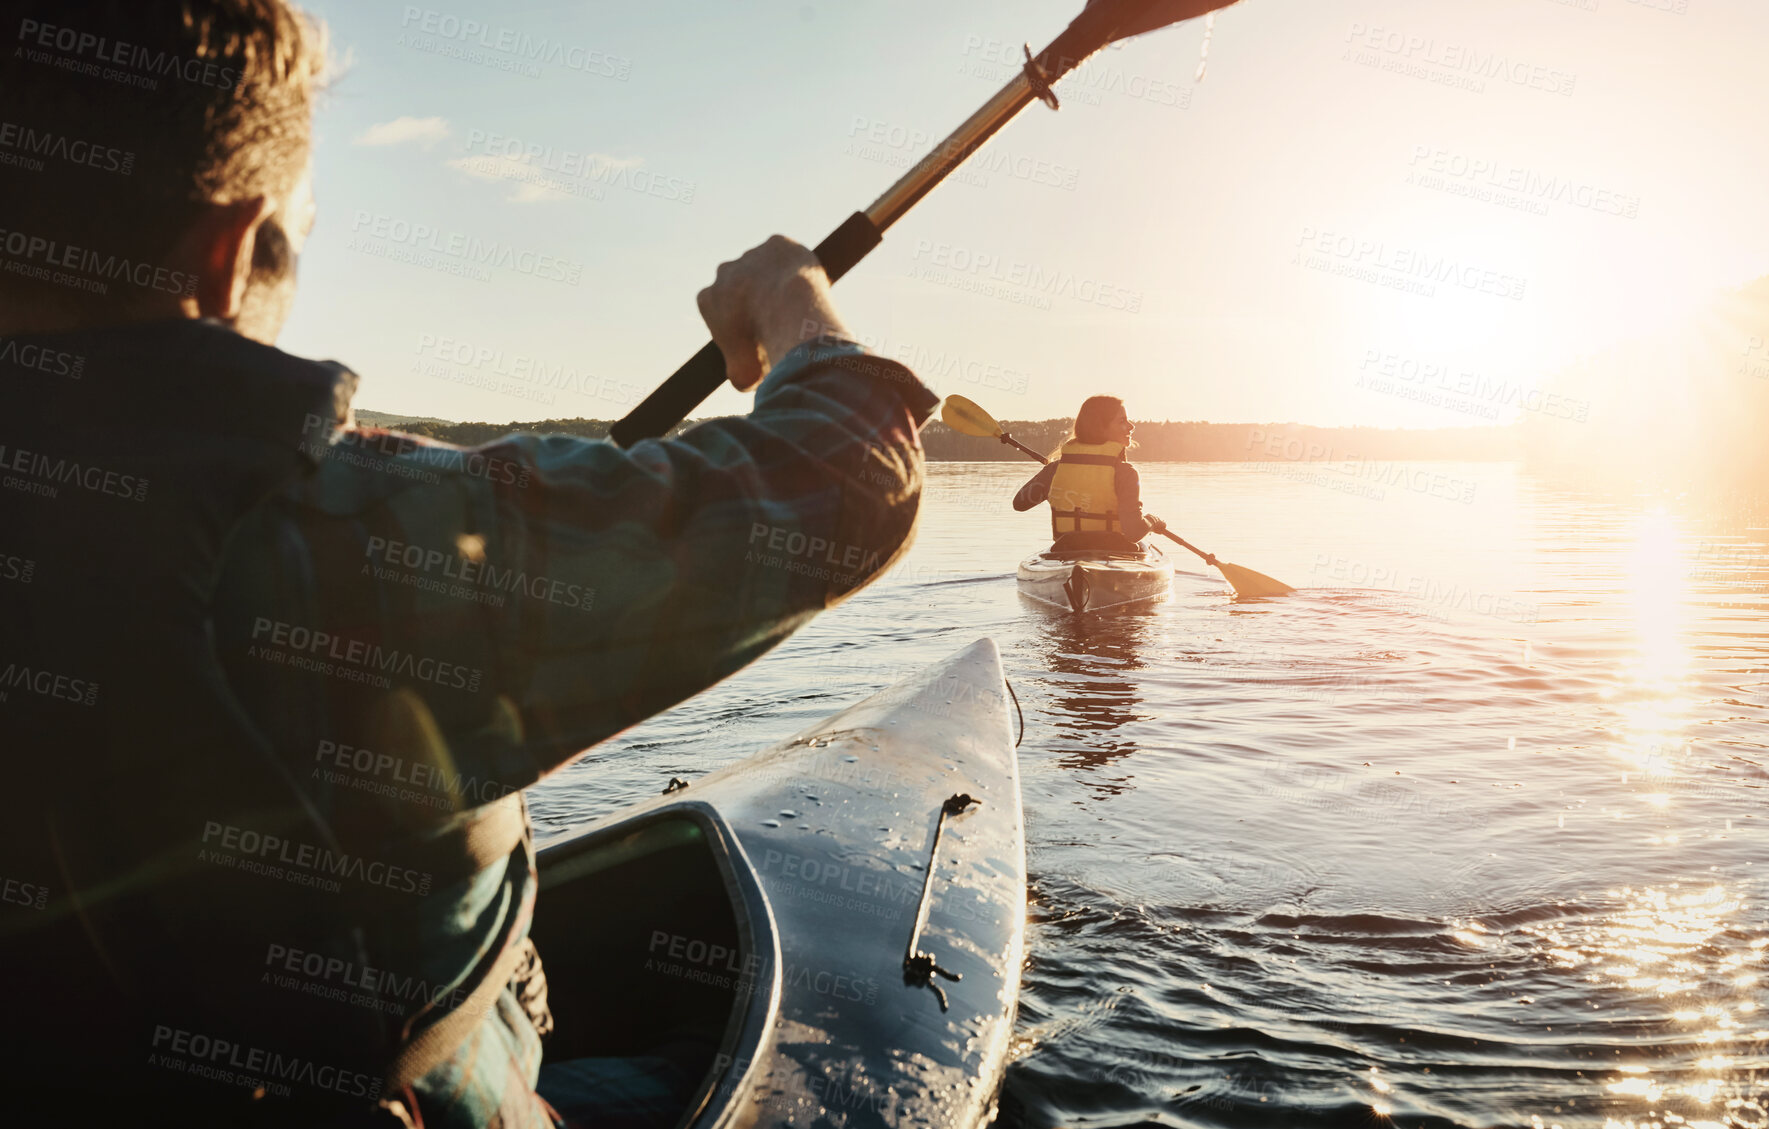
<point>1182,441</point>
<point>1197,441</point>
<point>475,434</point>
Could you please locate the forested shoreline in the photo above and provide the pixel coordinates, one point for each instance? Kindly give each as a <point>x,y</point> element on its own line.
<point>1161,441</point>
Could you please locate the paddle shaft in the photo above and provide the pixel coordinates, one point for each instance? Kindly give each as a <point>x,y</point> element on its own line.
<point>854,239</point>
<point>1019,446</point>
<point>1208,558</point>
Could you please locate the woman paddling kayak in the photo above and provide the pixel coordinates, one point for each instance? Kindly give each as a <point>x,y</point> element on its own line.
<point>1094,493</point>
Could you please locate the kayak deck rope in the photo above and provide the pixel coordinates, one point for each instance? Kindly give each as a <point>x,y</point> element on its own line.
<point>1017,710</point>
<point>919,968</point>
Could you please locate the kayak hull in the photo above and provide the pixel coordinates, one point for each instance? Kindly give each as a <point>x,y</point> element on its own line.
<point>824,843</point>
<point>1095,581</point>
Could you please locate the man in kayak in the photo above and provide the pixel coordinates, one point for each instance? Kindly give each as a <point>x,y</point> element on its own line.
<point>1094,493</point>
<point>272,684</point>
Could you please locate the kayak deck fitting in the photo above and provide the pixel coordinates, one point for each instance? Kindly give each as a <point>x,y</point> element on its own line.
<point>836,923</point>
<point>1091,580</point>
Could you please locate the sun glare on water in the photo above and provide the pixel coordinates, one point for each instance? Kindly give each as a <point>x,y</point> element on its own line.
<point>1683,948</point>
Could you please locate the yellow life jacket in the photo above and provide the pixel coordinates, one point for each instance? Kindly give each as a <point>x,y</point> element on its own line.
<point>1084,490</point>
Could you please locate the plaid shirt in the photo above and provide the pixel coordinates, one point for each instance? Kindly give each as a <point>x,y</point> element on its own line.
<point>423,630</point>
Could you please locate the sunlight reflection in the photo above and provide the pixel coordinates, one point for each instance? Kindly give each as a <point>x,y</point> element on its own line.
<point>1653,699</point>
<point>1657,571</point>
<point>1681,945</point>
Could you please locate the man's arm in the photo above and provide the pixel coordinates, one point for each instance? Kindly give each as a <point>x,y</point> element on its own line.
<point>708,550</point>
<point>549,591</point>
<point>699,554</point>
<point>1037,491</point>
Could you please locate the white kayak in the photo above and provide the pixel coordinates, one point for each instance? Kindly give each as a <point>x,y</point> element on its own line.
<point>837,921</point>
<point>1090,580</point>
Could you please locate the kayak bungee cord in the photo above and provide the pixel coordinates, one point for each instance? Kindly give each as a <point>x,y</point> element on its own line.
<point>1017,710</point>
<point>919,968</point>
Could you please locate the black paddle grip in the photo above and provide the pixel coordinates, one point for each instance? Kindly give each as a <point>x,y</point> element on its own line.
<point>847,245</point>
<point>691,384</point>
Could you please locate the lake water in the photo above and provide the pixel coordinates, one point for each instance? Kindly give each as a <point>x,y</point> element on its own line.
<point>1471,831</point>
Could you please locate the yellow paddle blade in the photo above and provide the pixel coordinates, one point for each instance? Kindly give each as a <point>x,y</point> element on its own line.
<point>1246,582</point>
<point>964,415</point>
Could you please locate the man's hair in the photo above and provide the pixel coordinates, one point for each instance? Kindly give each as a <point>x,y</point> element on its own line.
<point>123,117</point>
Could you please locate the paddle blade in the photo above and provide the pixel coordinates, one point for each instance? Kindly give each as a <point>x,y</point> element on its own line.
<point>1246,582</point>
<point>964,415</point>
<point>1135,17</point>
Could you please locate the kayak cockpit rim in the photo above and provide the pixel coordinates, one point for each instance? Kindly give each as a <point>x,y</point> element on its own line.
<point>581,854</point>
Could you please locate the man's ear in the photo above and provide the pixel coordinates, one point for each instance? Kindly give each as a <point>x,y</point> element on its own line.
<point>218,246</point>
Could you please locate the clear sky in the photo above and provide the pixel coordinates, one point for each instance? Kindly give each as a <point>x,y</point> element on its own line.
<point>1356,190</point>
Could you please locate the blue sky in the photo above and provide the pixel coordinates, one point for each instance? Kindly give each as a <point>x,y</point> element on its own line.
<point>1358,187</point>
